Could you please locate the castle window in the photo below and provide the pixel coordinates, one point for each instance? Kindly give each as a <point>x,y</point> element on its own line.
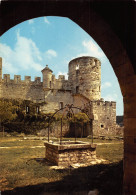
<point>102,126</point>
<point>27,109</point>
<point>50,84</point>
<point>77,73</point>
<point>77,67</point>
<point>37,109</point>
<point>95,62</point>
<point>77,89</point>
<point>61,105</point>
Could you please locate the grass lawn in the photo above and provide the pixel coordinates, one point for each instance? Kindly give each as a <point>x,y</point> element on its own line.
<point>22,164</point>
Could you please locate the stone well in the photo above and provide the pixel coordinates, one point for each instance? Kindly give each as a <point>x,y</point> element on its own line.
<point>70,152</point>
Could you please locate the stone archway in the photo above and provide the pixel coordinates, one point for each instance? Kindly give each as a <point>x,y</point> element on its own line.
<point>94,19</point>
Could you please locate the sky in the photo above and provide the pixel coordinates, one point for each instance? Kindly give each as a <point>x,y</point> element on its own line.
<point>31,45</point>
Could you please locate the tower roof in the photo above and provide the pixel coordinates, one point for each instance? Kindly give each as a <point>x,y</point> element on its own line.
<point>82,58</point>
<point>47,69</point>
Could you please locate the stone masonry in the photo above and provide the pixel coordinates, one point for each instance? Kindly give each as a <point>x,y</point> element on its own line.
<point>70,153</point>
<point>82,89</point>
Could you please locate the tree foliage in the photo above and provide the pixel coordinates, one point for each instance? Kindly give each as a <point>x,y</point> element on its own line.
<point>80,118</point>
<point>7,111</point>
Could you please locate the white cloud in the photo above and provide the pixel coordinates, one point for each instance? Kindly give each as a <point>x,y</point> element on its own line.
<point>31,21</point>
<point>27,50</point>
<point>106,85</point>
<point>46,20</point>
<point>92,49</point>
<point>63,73</point>
<point>111,97</point>
<point>25,55</point>
<point>51,53</point>
<point>6,53</point>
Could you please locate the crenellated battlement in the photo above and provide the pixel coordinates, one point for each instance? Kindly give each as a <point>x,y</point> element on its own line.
<point>37,80</point>
<point>17,80</point>
<point>82,89</point>
<point>56,83</point>
<point>61,77</point>
<point>105,103</point>
<point>102,103</point>
<point>6,78</point>
<point>27,79</point>
<point>84,79</point>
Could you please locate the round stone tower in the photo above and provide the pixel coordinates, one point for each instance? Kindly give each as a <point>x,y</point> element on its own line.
<point>85,77</point>
<point>47,77</point>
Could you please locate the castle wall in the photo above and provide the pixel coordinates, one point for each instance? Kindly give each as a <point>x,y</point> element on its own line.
<point>17,89</point>
<point>82,89</point>
<point>56,99</point>
<point>87,80</point>
<point>85,77</point>
<point>104,117</point>
<point>79,101</point>
<point>60,83</point>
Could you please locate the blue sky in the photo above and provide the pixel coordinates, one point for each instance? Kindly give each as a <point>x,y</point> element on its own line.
<point>29,46</point>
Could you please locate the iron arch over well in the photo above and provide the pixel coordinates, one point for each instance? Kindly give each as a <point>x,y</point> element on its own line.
<point>114,30</point>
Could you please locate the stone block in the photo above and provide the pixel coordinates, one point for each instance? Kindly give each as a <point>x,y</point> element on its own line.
<point>73,153</point>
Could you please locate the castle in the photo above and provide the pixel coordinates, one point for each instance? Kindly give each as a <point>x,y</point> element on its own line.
<point>82,89</point>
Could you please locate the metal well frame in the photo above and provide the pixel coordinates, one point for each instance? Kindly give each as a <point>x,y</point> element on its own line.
<point>68,110</point>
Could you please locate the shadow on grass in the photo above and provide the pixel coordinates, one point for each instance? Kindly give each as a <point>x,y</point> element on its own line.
<point>106,178</point>
<point>41,161</point>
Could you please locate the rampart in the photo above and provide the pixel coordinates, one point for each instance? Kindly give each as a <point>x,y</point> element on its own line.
<point>82,89</point>
<point>21,89</point>
<point>104,116</point>
<point>84,78</point>
<point>27,89</point>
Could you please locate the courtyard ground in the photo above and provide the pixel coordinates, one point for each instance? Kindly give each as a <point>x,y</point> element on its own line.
<point>24,170</point>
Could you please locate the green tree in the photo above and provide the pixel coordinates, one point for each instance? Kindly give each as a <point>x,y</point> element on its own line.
<point>80,119</point>
<point>7,112</point>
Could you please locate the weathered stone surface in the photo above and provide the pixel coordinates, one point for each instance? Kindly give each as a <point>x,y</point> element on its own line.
<point>104,117</point>
<point>85,77</point>
<point>70,153</point>
<point>82,89</point>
